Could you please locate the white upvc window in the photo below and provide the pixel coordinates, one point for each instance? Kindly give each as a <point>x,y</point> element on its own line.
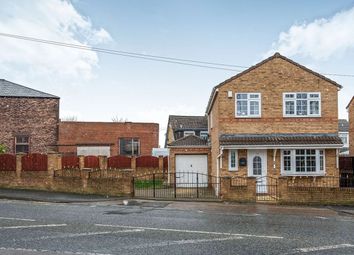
<point>233,157</point>
<point>204,134</point>
<point>186,133</point>
<point>248,105</point>
<point>303,162</point>
<point>345,138</point>
<point>302,104</point>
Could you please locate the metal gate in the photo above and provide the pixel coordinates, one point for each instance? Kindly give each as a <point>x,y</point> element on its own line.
<point>181,185</point>
<point>267,189</point>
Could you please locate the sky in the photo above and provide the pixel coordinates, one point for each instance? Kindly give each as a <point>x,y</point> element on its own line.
<point>98,87</point>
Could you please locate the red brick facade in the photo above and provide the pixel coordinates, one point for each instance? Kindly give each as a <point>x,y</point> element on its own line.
<point>72,134</point>
<point>36,118</point>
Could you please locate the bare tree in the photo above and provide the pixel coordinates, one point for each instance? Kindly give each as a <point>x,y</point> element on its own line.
<point>116,118</point>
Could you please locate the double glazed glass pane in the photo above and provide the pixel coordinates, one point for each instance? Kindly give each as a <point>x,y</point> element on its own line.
<point>257,165</point>
<point>242,108</point>
<point>254,108</point>
<point>301,107</point>
<point>314,107</point>
<point>289,107</point>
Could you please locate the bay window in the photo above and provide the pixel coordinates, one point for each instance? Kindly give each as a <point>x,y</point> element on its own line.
<point>248,105</point>
<point>302,104</point>
<point>303,162</point>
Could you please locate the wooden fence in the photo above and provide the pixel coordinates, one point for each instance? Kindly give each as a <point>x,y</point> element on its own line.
<point>7,162</point>
<point>119,162</point>
<point>34,162</point>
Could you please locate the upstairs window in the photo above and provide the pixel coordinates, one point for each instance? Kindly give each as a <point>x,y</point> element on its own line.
<point>204,134</point>
<point>22,144</point>
<point>129,146</point>
<point>187,133</point>
<point>302,104</point>
<point>248,105</point>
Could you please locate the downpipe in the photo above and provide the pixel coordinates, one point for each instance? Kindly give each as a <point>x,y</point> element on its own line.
<point>218,163</point>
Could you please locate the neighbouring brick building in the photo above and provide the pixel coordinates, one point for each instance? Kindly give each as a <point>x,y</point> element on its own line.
<point>107,138</point>
<point>28,119</point>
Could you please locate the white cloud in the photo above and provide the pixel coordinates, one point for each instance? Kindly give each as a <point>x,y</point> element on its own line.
<point>319,39</point>
<point>52,20</point>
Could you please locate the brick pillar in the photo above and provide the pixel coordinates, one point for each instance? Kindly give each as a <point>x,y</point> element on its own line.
<point>225,183</point>
<point>59,164</point>
<point>81,162</point>
<point>161,163</point>
<point>52,163</point>
<point>102,162</point>
<point>133,163</point>
<point>19,164</point>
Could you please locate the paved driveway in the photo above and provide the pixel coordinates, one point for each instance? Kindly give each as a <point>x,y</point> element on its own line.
<point>104,228</point>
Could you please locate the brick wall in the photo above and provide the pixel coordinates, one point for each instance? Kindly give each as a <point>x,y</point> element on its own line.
<point>36,117</point>
<point>107,133</point>
<point>78,181</point>
<point>238,193</point>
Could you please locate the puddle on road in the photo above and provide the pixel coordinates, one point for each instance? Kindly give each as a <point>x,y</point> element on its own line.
<point>138,207</point>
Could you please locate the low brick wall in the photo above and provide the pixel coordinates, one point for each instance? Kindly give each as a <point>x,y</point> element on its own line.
<point>245,192</point>
<point>327,195</point>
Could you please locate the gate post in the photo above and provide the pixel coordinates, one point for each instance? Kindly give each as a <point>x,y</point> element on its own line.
<point>174,186</point>
<point>197,186</point>
<point>153,183</point>
<point>133,186</point>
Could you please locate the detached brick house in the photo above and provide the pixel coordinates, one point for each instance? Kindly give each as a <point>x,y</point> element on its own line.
<point>277,118</point>
<point>107,138</point>
<point>28,119</point>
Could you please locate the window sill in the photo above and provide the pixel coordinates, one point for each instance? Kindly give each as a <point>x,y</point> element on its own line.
<point>302,116</point>
<point>248,117</point>
<point>304,175</point>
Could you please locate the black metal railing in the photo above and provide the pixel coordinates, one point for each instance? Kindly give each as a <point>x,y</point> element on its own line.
<point>181,185</point>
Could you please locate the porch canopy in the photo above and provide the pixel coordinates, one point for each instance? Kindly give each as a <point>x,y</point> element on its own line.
<point>276,141</point>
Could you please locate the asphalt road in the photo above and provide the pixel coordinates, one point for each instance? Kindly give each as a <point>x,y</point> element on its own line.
<point>106,227</point>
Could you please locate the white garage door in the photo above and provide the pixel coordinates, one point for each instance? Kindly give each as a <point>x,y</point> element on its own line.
<point>187,168</point>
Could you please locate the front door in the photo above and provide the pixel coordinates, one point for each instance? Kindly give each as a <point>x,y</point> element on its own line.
<point>257,167</point>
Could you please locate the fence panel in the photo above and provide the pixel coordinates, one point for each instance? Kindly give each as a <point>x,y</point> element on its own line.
<point>147,161</point>
<point>71,162</point>
<point>91,162</point>
<point>34,162</point>
<point>7,162</point>
<point>119,162</point>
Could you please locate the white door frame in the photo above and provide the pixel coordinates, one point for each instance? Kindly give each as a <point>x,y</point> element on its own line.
<point>261,181</point>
